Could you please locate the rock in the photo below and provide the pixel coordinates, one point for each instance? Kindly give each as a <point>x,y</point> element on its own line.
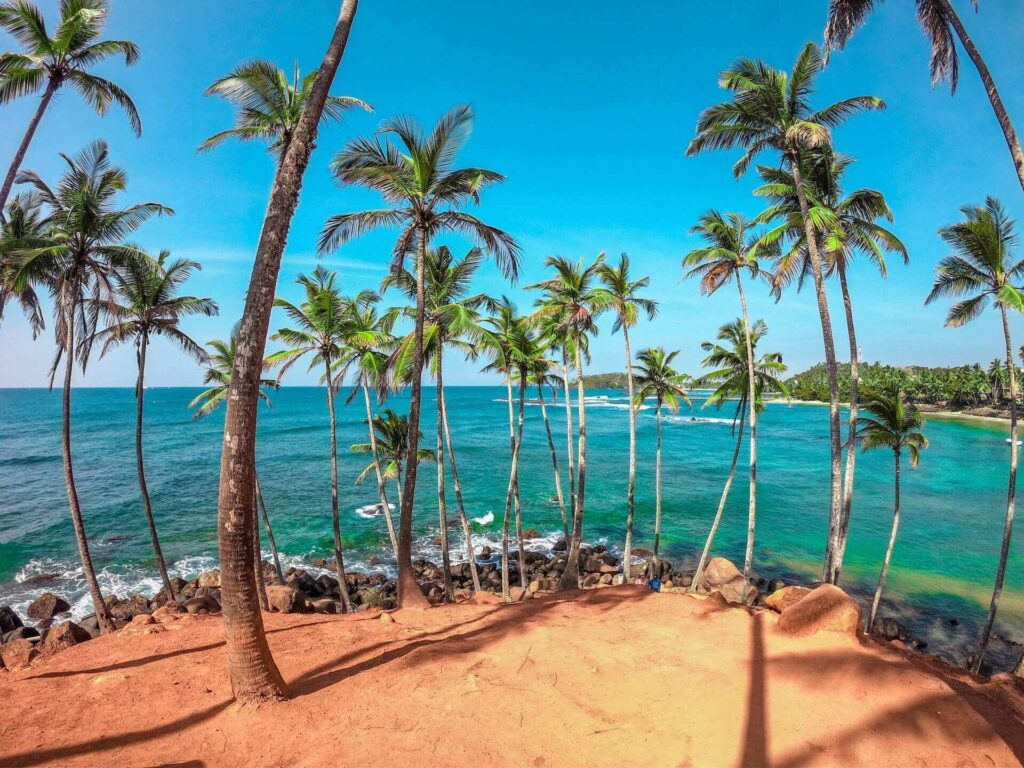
<point>720,575</point>
<point>642,553</point>
<point>560,546</point>
<point>9,620</point>
<point>826,608</point>
<point>887,628</point>
<point>130,607</point>
<point>518,594</point>
<point>169,612</point>
<point>370,597</point>
<point>17,655</point>
<point>21,633</point>
<point>682,580</point>
<point>783,598</point>
<point>203,603</point>
<point>531,533</point>
<point>328,585</point>
<point>387,618</point>
<point>534,586</point>
<point>90,624</point>
<point>485,598</point>
<point>41,579</point>
<point>602,563</point>
<point>775,585</point>
<point>209,579</point>
<point>285,600</point>
<point>325,606</point>
<point>61,637</point>
<point>46,606</point>
<point>141,619</point>
<point>590,580</point>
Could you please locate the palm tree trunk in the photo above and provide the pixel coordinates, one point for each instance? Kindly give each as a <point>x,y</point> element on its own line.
<point>721,502</point>
<point>257,561</point>
<point>571,575</point>
<point>100,606</point>
<point>835,442</point>
<point>851,429</point>
<point>467,530</point>
<point>554,461</point>
<point>339,555</point>
<point>519,508</point>
<point>1011,495</point>
<point>888,551</point>
<point>506,520</point>
<point>657,488</point>
<point>381,484</point>
<point>139,398</point>
<point>568,438</point>
<point>517,499</point>
<point>409,593</point>
<point>748,558</point>
<point>270,530</point>
<point>442,506</point>
<point>254,675</point>
<point>990,88</point>
<point>19,156</point>
<point>627,550</point>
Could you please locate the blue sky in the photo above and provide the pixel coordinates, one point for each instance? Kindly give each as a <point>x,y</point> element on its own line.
<point>587,110</point>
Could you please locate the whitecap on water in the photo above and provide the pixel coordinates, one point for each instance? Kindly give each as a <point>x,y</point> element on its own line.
<point>370,511</point>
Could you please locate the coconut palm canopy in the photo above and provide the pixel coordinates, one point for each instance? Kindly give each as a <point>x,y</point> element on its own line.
<point>222,359</point>
<point>727,361</point>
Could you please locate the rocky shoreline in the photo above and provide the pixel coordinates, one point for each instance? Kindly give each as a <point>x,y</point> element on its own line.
<point>46,629</point>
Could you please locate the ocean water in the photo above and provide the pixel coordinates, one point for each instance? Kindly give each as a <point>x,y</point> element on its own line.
<point>943,565</point>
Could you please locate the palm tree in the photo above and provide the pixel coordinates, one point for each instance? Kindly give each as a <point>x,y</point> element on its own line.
<point>569,308</point>
<point>84,239</point>
<point>939,21</point>
<point>731,246</point>
<point>254,675</point>
<point>391,437</point>
<point>368,343</point>
<point>428,195</point>
<point>891,423</point>
<point>770,110</point>
<point>983,268</point>
<point>628,305</point>
<point>221,362</point>
<point>845,225</point>
<point>318,336</point>
<point>145,303</point>
<point>997,378</point>
<point>542,377</point>
<point>21,229</point>
<point>730,373</point>
<point>48,63</point>
<point>655,377</point>
<point>451,320</point>
<point>269,106</point>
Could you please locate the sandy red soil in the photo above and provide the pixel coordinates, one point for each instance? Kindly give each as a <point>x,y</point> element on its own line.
<point>606,678</point>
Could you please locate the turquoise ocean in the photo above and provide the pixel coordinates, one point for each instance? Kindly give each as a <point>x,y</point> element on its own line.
<point>944,562</point>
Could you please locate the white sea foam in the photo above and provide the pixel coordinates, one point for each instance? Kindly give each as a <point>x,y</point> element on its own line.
<point>485,519</point>
<point>370,511</point>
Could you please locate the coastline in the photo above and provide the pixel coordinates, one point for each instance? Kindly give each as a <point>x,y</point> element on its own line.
<point>981,414</point>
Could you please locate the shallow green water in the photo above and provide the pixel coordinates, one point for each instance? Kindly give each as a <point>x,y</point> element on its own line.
<point>944,562</point>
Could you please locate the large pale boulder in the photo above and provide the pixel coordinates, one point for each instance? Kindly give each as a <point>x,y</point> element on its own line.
<point>285,600</point>
<point>783,598</point>
<point>17,654</point>
<point>720,575</point>
<point>209,579</point>
<point>825,608</point>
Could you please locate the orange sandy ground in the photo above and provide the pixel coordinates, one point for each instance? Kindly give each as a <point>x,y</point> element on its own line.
<point>609,677</point>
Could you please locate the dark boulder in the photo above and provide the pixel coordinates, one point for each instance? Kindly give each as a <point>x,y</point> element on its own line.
<point>485,553</point>
<point>9,620</point>
<point>21,633</point>
<point>531,533</point>
<point>202,604</point>
<point>559,546</point>
<point>41,579</point>
<point>887,628</point>
<point>130,607</point>
<point>775,585</point>
<point>62,637</point>
<point>46,606</point>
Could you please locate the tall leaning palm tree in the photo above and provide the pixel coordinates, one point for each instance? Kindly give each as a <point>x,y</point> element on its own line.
<point>85,232</point>
<point>625,301</point>
<point>570,306</point>
<point>890,422</point>
<point>254,675</point>
<point>318,336</point>
<point>730,247</point>
<point>770,110</point>
<point>452,321</point>
<point>542,377</point>
<point>983,268</point>
<point>48,63</point>
<point>221,362</point>
<point>426,195</point>
<point>846,224</point>
<point>269,106</point>
<point>729,373</point>
<point>146,303</point>
<point>940,22</point>
<point>22,229</point>
<point>656,378</point>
